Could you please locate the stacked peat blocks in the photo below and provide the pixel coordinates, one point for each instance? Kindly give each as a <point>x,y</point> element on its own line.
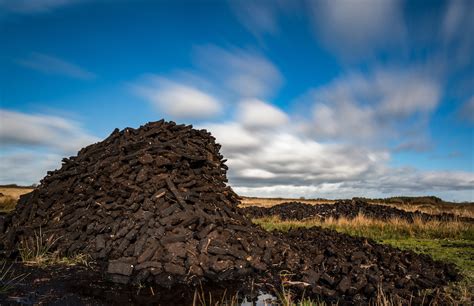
<point>349,209</point>
<point>153,204</point>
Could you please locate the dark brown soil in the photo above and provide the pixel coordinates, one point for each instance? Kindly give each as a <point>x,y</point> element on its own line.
<point>347,209</point>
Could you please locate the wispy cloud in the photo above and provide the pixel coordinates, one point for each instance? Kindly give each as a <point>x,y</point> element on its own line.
<point>283,162</point>
<point>52,65</point>
<point>382,104</point>
<point>262,17</point>
<point>466,112</point>
<point>34,6</point>
<point>245,73</point>
<point>177,100</point>
<point>26,167</point>
<point>357,28</point>
<point>257,114</point>
<point>32,144</point>
<point>38,130</point>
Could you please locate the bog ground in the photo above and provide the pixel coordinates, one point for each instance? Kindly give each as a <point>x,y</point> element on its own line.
<point>58,280</point>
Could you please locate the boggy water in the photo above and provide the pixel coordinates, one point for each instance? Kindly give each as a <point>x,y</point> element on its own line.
<point>210,294</point>
<point>80,285</point>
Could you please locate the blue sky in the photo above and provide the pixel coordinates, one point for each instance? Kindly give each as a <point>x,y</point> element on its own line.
<point>308,98</point>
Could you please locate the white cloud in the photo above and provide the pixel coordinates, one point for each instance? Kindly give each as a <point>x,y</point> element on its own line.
<point>256,16</point>
<point>466,111</point>
<point>373,106</point>
<point>178,100</point>
<point>453,18</point>
<point>276,163</point>
<point>53,65</point>
<point>32,144</point>
<point>38,130</point>
<point>404,93</point>
<point>233,136</point>
<point>344,119</point>
<point>246,74</point>
<point>279,156</point>
<point>256,173</point>
<point>261,17</point>
<point>254,113</point>
<point>26,167</point>
<point>357,28</point>
<point>34,6</point>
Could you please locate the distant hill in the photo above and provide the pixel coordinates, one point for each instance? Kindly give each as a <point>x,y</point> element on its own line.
<point>17,186</point>
<point>422,200</point>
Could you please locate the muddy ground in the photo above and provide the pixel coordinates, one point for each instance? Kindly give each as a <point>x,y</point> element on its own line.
<point>81,285</point>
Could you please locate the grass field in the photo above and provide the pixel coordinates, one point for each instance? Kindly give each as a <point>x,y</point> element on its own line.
<point>267,202</point>
<point>9,196</point>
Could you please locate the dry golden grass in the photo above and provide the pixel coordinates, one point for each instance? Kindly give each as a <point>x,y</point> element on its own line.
<point>14,192</point>
<point>379,229</point>
<point>37,251</point>
<point>461,210</point>
<point>268,202</point>
<point>9,196</point>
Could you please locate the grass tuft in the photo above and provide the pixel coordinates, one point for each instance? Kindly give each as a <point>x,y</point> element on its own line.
<point>8,280</point>
<point>7,203</point>
<point>37,251</point>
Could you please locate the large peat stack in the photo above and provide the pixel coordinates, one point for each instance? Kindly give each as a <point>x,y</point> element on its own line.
<point>153,205</point>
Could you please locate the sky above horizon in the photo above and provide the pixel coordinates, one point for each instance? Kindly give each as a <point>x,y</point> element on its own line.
<point>329,99</point>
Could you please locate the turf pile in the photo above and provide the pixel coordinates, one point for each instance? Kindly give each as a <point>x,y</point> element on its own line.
<point>154,205</point>
<point>347,208</point>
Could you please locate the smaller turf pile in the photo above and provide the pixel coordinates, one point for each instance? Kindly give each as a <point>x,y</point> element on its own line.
<point>349,269</point>
<point>347,209</point>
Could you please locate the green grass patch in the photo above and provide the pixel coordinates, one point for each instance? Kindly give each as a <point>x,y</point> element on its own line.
<point>459,252</point>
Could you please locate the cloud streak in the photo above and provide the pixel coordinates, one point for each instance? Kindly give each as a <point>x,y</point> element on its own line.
<point>466,111</point>
<point>38,130</point>
<point>55,66</point>
<point>244,73</point>
<point>382,104</point>
<point>32,144</point>
<point>282,162</point>
<point>177,100</point>
<point>358,28</point>
<point>34,6</point>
